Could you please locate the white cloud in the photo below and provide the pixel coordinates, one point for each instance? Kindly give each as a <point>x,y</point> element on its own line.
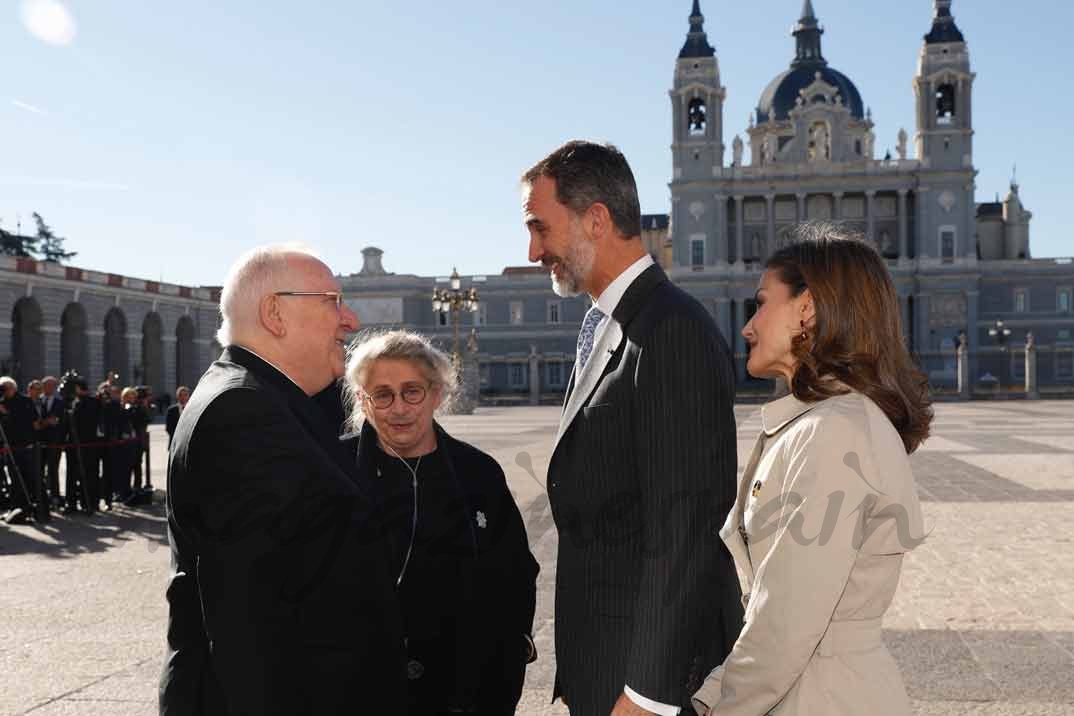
<point>49,21</point>
<point>27,106</point>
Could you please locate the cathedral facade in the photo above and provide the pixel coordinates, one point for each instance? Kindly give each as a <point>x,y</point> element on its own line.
<point>960,266</point>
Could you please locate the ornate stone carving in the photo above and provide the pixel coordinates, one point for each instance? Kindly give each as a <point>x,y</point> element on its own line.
<point>947,310</point>
<point>947,200</point>
<point>697,210</point>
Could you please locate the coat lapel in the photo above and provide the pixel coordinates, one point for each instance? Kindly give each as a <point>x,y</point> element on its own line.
<point>586,383</point>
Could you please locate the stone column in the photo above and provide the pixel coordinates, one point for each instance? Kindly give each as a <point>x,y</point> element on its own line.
<point>1031,368</point>
<point>719,256</point>
<point>739,229</point>
<point>925,244</point>
<point>870,217</point>
<point>962,355</point>
<point>904,227</point>
<point>837,206</point>
<point>921,324</point>
<point>535,376</point>
<point>801,207</point>
<point>770,242</point>
<point>972,330</point>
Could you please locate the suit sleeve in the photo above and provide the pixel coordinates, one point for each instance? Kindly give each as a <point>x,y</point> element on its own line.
<point>250,480</point>
<point>687,460</point>
<point>800,581</point>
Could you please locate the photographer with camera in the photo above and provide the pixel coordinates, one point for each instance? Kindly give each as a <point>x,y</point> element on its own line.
<point>17,418</point>
<point>83,455</point>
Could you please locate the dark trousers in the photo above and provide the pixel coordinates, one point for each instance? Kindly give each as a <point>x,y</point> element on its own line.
<point>117,472</point>
<point>82,478</point>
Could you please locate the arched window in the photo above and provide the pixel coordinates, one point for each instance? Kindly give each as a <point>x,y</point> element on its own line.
<point>945,104</point>
<point>152,373</point>
<point>697,119</point>
<point>116,354</point>
<point>74,343</point>
<point>27,341</point>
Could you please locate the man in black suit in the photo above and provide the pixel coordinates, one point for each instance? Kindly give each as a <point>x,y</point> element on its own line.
<point>280,601</point>
<point>18,415</point>
<point>642,473</point>
<point>55,415</point>
<point>171,418</point>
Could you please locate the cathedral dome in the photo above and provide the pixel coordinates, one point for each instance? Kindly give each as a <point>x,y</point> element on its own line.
<point>782,93</point>
<point>809,65</point>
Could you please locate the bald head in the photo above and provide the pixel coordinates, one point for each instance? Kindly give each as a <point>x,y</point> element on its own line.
<point>282,303</point>
<point>257,274</point>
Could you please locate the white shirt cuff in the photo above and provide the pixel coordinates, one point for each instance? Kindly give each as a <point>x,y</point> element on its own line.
<point>649,705</point>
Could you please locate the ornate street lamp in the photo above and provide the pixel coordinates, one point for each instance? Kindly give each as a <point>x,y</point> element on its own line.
<point>453,301</point>
<point>1000,333</point>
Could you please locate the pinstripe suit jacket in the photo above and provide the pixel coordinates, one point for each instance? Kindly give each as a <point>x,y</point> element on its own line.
<point>640,480</point>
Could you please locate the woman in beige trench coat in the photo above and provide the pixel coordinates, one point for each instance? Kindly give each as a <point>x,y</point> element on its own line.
<point>827,506</point>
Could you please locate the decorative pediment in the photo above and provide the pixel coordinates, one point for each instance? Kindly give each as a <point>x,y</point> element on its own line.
<point>819,91</point>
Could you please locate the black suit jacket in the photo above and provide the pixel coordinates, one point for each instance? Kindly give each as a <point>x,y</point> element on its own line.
<point>639,482</point>
<point>55,433</point>
<point>279,599</point>
<point>171,420</point>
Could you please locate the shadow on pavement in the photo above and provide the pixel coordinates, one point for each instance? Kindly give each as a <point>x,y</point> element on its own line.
<point>67,536</point>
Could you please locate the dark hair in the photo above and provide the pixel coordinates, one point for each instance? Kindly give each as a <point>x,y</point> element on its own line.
<point>585,174</point>
<point>857,338</point>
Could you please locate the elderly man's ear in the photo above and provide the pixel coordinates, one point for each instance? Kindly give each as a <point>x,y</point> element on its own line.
<point>271,316</point>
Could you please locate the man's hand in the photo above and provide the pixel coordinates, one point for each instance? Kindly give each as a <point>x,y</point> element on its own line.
<point>625,707</point>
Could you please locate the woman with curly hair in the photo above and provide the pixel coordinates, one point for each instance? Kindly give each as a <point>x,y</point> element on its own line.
<point>827,505</point>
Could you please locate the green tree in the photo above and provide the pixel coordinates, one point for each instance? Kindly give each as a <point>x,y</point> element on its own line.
<point>17,245</point>
<point>51,248</point>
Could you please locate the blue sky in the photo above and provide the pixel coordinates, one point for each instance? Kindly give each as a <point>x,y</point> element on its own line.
<point>165,138</point>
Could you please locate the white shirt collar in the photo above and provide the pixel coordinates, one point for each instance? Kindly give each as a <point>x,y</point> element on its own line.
<point>252,351</point>
<point>609,300</point>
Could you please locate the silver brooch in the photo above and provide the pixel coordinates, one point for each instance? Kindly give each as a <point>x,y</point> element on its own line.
<point>482,521</point>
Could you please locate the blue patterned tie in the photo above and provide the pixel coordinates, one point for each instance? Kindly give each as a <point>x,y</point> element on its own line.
<point>585,336</point>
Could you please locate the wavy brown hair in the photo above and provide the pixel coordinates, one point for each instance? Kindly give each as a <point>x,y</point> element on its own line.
<point>857,338</point>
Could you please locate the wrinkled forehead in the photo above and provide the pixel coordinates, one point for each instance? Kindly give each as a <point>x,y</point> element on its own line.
<point>395,372</point>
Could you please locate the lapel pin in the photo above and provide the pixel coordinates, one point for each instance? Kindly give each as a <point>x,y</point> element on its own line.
<point>482,521</point>
<point>756,488</point>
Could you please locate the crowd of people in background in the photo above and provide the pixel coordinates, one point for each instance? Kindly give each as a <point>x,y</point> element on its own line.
<point>102,437</point>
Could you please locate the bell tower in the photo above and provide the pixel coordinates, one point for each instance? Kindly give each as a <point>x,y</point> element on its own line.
<point>944,141</point>
<point>697,146</point>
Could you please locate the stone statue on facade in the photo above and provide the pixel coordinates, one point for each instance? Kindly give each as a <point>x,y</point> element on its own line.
<point>736,151</point>
<point>901,148</point>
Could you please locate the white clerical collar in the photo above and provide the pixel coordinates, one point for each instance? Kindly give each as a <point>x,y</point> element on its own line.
<point>610,298</point>
<point>282,371</point>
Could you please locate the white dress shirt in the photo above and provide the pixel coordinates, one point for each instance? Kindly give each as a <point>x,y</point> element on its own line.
<point>607,302</point>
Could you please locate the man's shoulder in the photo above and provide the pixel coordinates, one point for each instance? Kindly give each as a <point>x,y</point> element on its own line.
<point>670,309</point>
<point>226,393</point>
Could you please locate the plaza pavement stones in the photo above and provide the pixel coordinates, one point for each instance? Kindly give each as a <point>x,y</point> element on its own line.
<point>983,623</point>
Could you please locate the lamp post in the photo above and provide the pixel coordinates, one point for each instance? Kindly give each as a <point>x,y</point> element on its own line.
<point>453,301</point>
<point>1000,333</point>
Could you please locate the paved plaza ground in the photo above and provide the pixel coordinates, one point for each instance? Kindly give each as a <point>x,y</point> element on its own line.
<point>983,623</point>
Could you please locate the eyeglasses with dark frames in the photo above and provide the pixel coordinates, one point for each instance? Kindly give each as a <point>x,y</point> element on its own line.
<point>337,295</point>
<point>384,397</point>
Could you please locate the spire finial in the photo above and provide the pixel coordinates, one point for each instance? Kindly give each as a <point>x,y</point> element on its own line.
<point>943,25</point>
<point>697,42</point>
<point>807,37</point>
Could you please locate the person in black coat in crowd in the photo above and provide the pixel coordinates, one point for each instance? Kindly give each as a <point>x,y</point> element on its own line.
<point>55,415</point>
<point>171,418</point>
<point>116,429</point>
<point>280,599</point>
<point>17,416</point>
<point>82,483</point>
<point>465,576</point>
<point>136,410</point>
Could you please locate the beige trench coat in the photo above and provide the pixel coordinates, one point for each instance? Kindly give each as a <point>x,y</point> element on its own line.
<point>826,508</point>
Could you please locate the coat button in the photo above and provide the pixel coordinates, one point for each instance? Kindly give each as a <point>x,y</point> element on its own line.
<point>414,670</point>
<point>745,600</point>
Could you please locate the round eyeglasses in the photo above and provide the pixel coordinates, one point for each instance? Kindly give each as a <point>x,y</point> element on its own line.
<point>383,397</point>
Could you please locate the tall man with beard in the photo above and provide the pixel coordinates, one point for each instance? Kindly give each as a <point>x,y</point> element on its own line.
<point>642,473</point>
<point>280,601</point>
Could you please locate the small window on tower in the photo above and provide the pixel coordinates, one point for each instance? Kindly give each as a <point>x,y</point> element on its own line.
<point>945,104</point>
<point>698,119</point>
<point>947,246</point>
